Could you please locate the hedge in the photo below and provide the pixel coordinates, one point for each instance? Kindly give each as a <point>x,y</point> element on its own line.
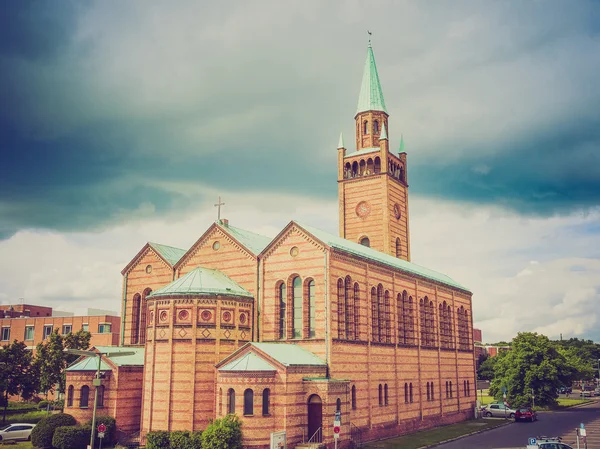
<point>41,435</point>
<point>71,437</point>
<point>186,440</point>
<point>158,439</point>
<point>224,433</point>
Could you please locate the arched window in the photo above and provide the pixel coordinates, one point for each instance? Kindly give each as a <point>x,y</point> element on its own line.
<point>385,394</point>
<point>380,395</point>
<point>374,315</point>
<point>409,322</point>
<point>341,296</point>
<point>297,307</point>
<point>398,247</point>
<point>311,309</point>
<point>365,127</point>
<point>143,313</point>
<point>70,392</point>
<point>347,170</point>
<point>354,169</point>
<point>447,394</point>
<point>220,402</point>
<point>265,401</point>
<point>451,393</point>
<point>135,319</point>
<point>388,318</point>
<point>381,309</point>
<point>362,167</point>
<point>402,174</point>
<point>432,395</point>
<point>377,165</point>
<point>411,392</point>
<point>231,401</point>
<point>400,316</point>
<point>349,315</point>
<point>282,310</point>
<point>338,405</point>
<point>100,402</point>
<point>365,242</point>
<point>406,393</point>
<point>353,396</point>
<point>370,169</point>
<point>356,311</point>
<point>248,402</point>
<point>84,397</point>
<point>468,388</point>
<point>375,127</point>
<point>428,392</point>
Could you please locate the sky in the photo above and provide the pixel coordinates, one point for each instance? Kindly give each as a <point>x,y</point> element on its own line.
<point>122,123</point>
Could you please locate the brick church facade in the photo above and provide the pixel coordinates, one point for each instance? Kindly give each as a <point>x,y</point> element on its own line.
<point>287,331</point>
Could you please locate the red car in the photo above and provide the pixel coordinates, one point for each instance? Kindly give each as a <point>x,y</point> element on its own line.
<point>525,414</point>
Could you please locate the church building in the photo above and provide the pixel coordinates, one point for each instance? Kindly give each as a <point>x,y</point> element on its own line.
<point>290,332</point>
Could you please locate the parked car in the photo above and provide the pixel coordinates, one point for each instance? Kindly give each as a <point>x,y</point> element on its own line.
<point>498,410</point>
<point>19,431</point>
<point>586,394</point>
<point>564,390</point>
<point>525,414</point>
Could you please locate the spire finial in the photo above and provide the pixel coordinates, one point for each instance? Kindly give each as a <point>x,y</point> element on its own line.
<point>370,34</point>
<point>383,134</point>
<point>341,142</point>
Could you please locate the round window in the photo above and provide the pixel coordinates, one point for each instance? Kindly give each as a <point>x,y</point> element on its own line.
<point>216,245</point>
<point>294,251</point>
<point>149,269</point>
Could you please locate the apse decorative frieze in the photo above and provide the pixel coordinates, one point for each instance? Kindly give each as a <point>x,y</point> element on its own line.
<point>228,317</point>
<point>207,315</point>
<point>183,316</point>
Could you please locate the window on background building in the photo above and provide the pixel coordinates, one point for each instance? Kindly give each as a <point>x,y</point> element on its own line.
<point>282,310</point>
<point>5,333</point>
<point>297,307</point>
<point>29,332</point>
<point>66,329</point>
<point>143,315</point>
<point>380,395</point>
<point>266,398</point>
<point>353,397</point>
<point>312,306</point>
<point>85,327</point>
<point>104,328</point>
<point>249,402</point>
<point>231,401</point>
<point>100,402</point>
<point>85,396</point>
<point>47,331</point>
<point>70,392</point>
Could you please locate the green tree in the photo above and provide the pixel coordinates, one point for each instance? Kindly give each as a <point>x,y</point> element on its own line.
<point>486,368</point>
<point>17,374</point>
<point>534,365</point>
<point>223,433</point>
<point>51,359</point>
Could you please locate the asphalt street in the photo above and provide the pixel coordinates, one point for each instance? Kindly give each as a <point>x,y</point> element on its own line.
<point>560,423</point>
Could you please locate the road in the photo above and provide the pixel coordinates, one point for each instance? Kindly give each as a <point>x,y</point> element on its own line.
<point>560,423</point>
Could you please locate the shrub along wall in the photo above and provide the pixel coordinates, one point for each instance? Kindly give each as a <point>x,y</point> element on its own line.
<point>41,435</point>
<point>222,433</point>
<point>71,437</point>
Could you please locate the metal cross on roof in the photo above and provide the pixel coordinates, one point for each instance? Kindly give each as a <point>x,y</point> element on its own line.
<point>218,205</point>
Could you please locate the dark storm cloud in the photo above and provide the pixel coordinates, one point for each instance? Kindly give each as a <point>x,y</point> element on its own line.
<point>103,106</point>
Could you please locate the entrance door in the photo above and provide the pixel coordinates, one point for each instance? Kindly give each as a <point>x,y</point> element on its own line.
<point>315,419</point>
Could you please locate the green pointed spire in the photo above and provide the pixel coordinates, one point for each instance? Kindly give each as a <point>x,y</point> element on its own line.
<point>383,134</point>
<point>341,142</point>
<point>371,96</point>
<point>401,150</point>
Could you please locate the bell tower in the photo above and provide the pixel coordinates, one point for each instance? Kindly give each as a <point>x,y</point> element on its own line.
<point>372,182</point>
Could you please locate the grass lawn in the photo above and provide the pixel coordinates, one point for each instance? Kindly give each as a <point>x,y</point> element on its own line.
<point>19,445</point>
<point>427,437</point>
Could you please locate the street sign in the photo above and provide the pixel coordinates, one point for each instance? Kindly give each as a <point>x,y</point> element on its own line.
<point>100,434</point>
<point>101,428</point>
<point>336,427</point>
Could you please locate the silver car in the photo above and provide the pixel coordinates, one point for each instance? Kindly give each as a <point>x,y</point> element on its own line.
<point>498,411</point>
<point>19,431</point>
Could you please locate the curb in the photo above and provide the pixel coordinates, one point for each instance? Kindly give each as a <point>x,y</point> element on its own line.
<point>465,435</point>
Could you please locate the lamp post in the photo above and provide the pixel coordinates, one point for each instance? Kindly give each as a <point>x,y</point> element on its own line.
<point>97,382</point>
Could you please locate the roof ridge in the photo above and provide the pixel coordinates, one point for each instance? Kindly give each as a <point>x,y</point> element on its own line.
<point>166,246</point>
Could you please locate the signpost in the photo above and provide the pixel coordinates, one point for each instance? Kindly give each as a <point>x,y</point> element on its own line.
<point>101,430</point>
<point>337,424</point>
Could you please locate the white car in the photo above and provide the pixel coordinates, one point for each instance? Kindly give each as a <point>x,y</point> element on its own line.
<point>19,431</point>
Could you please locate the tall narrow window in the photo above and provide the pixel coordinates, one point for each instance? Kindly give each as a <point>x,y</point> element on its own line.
<point>365,127</point>
<point>100,402</point>
<point>432,395</point>
<point>428,392</point>
<point>468,388</point>
<point>84,397</point>
<point>380,395</point>
<point>385,394</point>
<point>338,405</point>
<point>388,318</point>
<point>406,393</point>
<point>297,307</point>
<point>398,248</point>
<point>451,394</point>
<point>411,392</point>
<point>375,127</point>
<point>266,397</point>
<point>341,295</point>
<point>423,319</point>
<point>231,401</point>
<point>220,402</point>
<point>353,397</point>
<point>349,315</point>
<point>356,311</point>
<point>135,317</point>
<point>447,395</point>
<point>282,310</point>
<point>143,314</point>
<point>70,396</point>
<point>374,315</point>
<point>409,322</point>
<point>381,311</point>
<point>249,402</point>
<point>312,322</point>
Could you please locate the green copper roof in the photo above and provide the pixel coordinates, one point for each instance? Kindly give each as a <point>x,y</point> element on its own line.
<point>369,253</point>
<point>383,134</point>
<point>169,253</point>
<point>371,95</point>
<point>401,149</point>
<point>202,282</point>
<point>248,362</point>
<point>253,242</point>
<point>363,151</point>
<point>289,354</point>
<point>341,142</point>
<point>91,363</point>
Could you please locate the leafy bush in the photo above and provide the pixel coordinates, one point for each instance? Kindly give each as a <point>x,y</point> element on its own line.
<point>71,437</point>
<point>186,440</point>
<point>111,430</point>
<point>41,435</point>
<point>158,439</point>
<point>224,433</point>
<point>42,405</point>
